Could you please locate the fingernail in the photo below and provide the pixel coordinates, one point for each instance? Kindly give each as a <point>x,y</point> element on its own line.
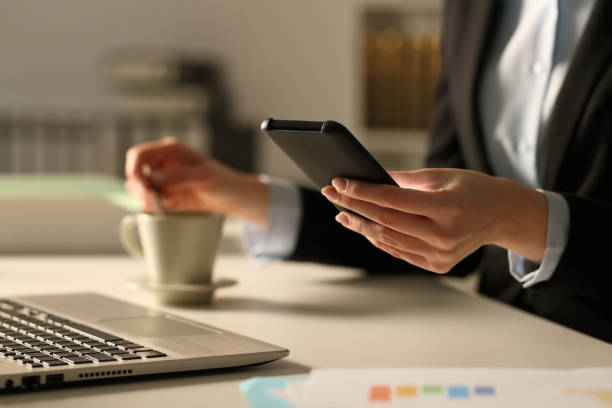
<point>340,184</point>
<point>343,219</point>
<point>330,193</point>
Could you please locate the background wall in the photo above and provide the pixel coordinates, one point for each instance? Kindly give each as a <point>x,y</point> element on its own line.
<point>283,58</point>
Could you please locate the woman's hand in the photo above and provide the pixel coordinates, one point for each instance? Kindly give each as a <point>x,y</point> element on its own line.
<point>437,217</point>
<point>187,180</point>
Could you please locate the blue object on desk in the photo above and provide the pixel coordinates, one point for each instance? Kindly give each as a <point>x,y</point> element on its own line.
<point>256,390</point>
<point>458,391</point>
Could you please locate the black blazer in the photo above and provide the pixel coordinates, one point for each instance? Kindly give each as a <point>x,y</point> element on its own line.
<point>578,145</point>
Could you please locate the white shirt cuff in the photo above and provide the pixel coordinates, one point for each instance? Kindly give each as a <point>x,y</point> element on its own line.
<point>529,273</point>
<point>284,216</point>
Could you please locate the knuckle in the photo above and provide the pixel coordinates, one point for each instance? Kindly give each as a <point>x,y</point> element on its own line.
<point>394,197</point>
<point>171,140</point>
<point>386,236</point>
<point>377,244</point>
<point>394,253</point>
<point>132,152</point>
<point>355,223</point>
<point>441,268</point>
<point>386,216</point>
<point>445,255</point>
<point>444,240</point>
<point>437,238</point>
<point>453,210</point>
<point>353,188</point>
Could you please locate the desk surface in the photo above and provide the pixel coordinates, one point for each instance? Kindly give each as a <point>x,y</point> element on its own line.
<point>327,317</point>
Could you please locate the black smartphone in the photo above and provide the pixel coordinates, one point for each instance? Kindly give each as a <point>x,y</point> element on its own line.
<point>325,150</point>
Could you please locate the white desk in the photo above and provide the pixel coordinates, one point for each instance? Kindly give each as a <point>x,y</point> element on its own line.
<point>327,317</point>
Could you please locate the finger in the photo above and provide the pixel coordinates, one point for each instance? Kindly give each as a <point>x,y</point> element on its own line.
<point>414,259</point>
<point>177,177</point>
<point>140,154</point>
<point>407,200</point>
<point>385,235</point>
<point>404,222</point>
<point>135,188</point>
<point>155,154</point>
<point>142,194</point>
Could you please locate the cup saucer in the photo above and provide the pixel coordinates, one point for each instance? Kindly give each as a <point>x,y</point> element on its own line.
<point>181,293</point>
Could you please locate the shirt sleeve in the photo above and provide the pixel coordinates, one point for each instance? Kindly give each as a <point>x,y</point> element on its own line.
<point>529,273</point>
<point>278,241</point>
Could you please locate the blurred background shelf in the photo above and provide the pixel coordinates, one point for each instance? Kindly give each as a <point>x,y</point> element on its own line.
<point>81,83</point>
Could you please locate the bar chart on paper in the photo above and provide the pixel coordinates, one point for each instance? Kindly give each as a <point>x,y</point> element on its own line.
<point>480,387</point>
<point>409,393</point>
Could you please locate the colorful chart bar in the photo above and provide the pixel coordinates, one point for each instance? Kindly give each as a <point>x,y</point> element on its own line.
<point>380,393</point>
<point>484,390</point>
<point>406,391</point>
<point>432,389</point>
<point>458,391</point>
<point>383,393</point>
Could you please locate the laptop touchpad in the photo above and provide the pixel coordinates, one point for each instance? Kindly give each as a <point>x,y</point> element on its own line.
<point>155,326</point>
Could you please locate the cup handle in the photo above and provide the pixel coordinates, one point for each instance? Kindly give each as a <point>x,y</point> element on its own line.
<point>127,236</point>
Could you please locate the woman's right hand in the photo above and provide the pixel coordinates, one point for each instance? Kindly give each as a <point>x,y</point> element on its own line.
<point>187,180</point>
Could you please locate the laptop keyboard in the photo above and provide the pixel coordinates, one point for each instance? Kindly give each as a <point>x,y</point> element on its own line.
<point>38,339</point>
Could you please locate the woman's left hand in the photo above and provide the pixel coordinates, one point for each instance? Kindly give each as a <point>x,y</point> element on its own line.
<point>437,217</point>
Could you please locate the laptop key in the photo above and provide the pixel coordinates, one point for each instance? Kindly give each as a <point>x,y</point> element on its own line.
<point>120,352</point>
<point>115,350</point>
<point>129,356</point>
<point>44,358</point>
<point>27,351</point>
<point>94,343</point>
<point>131,345</point>
<point>78,349</point>
<point>151,354</point>
<point>65,354</point>
<point>100,358</point>
<point>47,346</point>
<point>139,349</point>
<point>77,360</point>
<point>54,363</point>
<point>36,355</point>
<point>105,348</point>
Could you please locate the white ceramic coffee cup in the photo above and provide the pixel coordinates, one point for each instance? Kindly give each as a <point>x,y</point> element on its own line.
<point>178,249</point>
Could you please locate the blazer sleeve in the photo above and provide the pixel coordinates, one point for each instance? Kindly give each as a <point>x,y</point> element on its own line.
<point>585,268</point>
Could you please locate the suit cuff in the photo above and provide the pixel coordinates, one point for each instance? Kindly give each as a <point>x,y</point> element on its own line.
<point>278,241</point>
<point>529,273</point>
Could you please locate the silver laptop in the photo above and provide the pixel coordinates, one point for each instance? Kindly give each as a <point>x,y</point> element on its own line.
<point>55,339</point>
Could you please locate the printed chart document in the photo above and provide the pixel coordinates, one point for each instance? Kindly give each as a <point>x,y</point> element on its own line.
<point>478,387</point>
<point>434,387</point>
